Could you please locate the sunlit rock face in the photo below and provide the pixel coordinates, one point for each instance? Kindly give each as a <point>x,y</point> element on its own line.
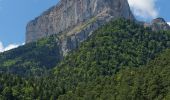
<point>71,15</point>
<point>74,21</point>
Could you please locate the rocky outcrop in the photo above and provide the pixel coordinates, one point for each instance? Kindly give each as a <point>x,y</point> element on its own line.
<point>75,20</point>
<point>157,24</point>
<point>68,14</point>
<point>71,41</point>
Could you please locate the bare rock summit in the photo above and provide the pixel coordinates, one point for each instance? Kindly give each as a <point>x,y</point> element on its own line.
<point>159,24</point>
<point>74,16</point>
<point>74,21</point>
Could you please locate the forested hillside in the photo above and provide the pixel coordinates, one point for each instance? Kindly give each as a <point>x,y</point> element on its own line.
<point>120,61</point>
<point>31,59</point>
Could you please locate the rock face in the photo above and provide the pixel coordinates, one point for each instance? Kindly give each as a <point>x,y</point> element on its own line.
<point>68,14</point>
<point>159,24</point>
<point>75,20</point>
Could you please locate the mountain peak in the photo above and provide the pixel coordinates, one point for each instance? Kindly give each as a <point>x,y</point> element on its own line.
<point>159,24</point>
<point>73,17</point>
<point>159,19</point>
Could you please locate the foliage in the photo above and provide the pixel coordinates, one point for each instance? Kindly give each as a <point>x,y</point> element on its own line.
<point>32,58</point>
<point>120,61</point>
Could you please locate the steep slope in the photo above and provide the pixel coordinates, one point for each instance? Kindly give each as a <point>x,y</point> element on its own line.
<point>68,14</point>
<point>128,44</point>
<point>157,24</point>
<point>150,82</point>
<point>74,21</point>
<point>114,63</point>
<point>33,58</point>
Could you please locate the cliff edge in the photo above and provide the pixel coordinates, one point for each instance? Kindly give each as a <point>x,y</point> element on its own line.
<point>73,16</point>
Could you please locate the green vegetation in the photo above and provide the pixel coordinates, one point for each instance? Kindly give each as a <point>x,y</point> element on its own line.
<point>120,61</point>
<point>150,82</point>
<point>79,27</point>
<point>33,58</point>
<point>89,22</point>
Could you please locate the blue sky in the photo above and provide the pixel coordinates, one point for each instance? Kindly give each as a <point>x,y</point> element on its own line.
<point>15,14</point>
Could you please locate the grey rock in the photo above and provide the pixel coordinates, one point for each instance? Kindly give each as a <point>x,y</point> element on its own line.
<point>75,20</point>
<point>158,24</point>
<point>68,14</point>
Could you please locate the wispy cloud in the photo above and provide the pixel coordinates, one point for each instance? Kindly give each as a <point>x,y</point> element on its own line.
<point>144,8</point>
<point>9,47</point>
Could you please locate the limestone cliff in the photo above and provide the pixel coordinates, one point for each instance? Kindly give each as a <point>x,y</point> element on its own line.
<point>68,14</point>
<point>75,20</point>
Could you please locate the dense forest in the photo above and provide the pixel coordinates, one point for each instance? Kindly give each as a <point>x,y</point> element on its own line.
<point>31,59</point>
<point>122,60</point>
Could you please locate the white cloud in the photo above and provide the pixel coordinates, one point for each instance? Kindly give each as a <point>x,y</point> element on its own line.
<point>1,47</point>
<point>144,8</point>
<point>9,47</point>
<point>168,23</point>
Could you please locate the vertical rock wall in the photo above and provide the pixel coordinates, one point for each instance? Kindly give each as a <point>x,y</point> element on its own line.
<point>69,14</point>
